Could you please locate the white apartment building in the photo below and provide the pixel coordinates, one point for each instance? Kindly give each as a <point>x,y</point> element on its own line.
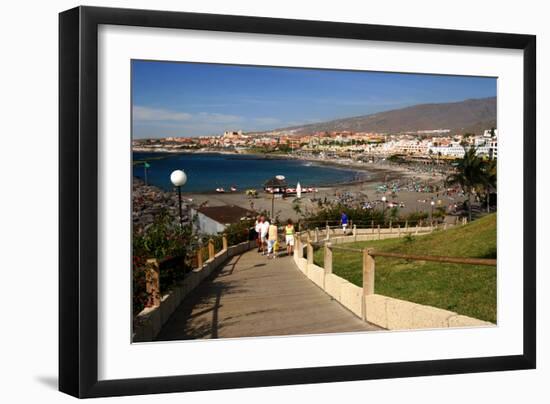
<point>411,147</point>
<point>485,146</point>
<point>454,149</point>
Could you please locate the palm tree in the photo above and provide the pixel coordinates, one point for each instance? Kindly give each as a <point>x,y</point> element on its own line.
<point>489,179</point>
<point>469,175</point>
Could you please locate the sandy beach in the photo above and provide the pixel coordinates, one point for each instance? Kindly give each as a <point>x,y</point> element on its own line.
<point>364,189</point>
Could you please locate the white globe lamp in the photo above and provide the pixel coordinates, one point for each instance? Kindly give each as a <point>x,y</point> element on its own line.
<point>178,178</point>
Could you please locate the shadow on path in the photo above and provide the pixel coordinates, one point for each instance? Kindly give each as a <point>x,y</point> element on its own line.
<point>252,295</point>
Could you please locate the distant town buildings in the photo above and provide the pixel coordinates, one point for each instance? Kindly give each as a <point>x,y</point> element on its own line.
<point>437,143</point>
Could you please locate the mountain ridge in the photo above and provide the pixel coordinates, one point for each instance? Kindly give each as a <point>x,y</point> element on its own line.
<point>470,115</point>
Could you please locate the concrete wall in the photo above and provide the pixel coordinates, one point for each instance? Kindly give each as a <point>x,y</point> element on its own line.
<point>370,231</point>
<point>351,298</point>
<point>337,236</point>
<point>316,274</point>
<point>395,314</point>
<point>150,320</point>
<point>333,285</point>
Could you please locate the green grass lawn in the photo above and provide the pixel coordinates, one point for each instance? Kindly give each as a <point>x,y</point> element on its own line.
<point>465,289</point>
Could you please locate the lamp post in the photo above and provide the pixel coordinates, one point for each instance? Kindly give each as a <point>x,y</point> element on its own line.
<point>280,178</point>
<point>146,165</point>
<point>432,203</point>
<point>272,202</point>
<point>384,208</point>
<point>179,178</point>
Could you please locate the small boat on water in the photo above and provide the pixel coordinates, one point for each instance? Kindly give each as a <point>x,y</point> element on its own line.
<point>233,189</point>
<point>220,190</point>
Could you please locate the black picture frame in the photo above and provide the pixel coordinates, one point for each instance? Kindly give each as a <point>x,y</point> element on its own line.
<point>78,206</point>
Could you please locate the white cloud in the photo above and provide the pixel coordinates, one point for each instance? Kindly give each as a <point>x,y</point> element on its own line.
<point>158,114</point>
<point>141,114</point>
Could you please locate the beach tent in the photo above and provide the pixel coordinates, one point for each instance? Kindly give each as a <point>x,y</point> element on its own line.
<point>276,185</point>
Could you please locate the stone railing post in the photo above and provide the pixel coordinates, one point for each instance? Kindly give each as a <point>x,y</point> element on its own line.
<point>378,232</point>
<point>372,226</point>
<point>224,242</point>
<point>390,227</point>
<point>368,279</point>
<point>328,259</point>
<point>298,251</point>
<point>406,226</point>
<point>416,231</point>
<point>152,282</point>
<point>368,272</point>
<point>445,226</point>
<point>309,253</point>
<point>327,235</point>
<point>398,230</point>
<point>316,235</point>
<point>199,258</point>
<point>211,250</point>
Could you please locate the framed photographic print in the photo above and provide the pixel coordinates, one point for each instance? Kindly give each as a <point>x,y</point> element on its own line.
<point>263,201</point>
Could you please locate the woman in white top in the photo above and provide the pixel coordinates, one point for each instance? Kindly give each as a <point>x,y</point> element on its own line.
<point>289,237</point>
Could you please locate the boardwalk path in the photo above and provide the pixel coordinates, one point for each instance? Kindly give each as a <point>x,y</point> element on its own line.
<point>255,296</point>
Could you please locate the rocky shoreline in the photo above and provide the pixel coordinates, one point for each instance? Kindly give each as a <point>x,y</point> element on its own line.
<point>148,201</point>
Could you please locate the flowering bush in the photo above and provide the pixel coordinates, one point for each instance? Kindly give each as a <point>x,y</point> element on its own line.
<point>163,239</point>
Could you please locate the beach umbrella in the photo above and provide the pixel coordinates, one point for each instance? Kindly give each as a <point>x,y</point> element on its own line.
<point>298,190</point>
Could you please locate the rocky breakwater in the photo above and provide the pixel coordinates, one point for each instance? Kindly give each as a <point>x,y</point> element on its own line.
<point>149,201</point>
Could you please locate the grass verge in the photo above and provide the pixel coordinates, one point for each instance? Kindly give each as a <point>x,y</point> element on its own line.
<point>465,289</point>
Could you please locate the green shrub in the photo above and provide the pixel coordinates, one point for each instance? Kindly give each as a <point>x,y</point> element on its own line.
<point>163,239</point>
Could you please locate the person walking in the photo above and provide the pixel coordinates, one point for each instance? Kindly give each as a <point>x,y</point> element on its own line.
<point>257,230</point>
<point>264,228</point>
<point>289,237</point>
<point>344,221</point>
<point>271,239</point>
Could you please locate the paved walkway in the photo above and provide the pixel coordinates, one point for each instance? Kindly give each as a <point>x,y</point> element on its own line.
<point>255,296</point>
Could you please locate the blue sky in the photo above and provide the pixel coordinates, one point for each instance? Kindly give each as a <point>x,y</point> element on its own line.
<point>191,99</point>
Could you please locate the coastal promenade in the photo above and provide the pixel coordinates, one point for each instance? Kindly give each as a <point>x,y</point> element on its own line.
<point>255,296</point>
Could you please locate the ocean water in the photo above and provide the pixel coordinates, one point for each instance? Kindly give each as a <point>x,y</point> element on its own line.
<point>206,172</point>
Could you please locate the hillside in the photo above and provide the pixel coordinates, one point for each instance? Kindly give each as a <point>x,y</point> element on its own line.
<point>465,289</point>
<point>473,115</point>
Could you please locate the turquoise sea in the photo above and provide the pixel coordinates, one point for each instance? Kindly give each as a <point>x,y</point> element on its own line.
<point>206,172</point>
